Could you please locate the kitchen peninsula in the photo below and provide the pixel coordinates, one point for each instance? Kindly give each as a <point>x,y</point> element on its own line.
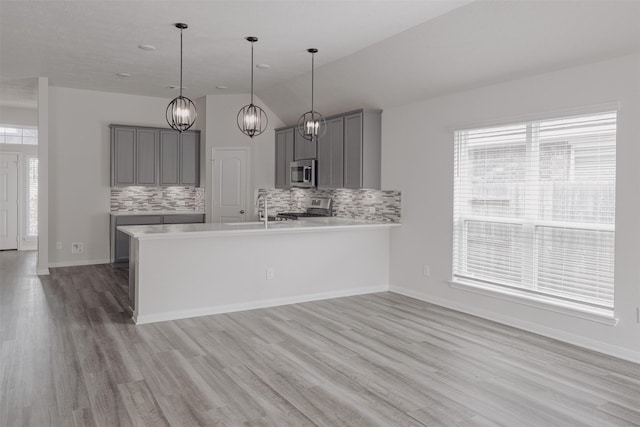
<point>187,270</point>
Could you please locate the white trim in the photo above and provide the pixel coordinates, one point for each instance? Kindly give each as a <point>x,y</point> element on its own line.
<point>252,305</point>
<point>42,272</point>
<point>19,189</point>
<point>78,263</point>
<point>612,350</point>
<point>538,301</point>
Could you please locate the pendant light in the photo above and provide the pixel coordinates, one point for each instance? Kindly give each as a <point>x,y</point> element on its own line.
<point>311,125</point>
<point>181,112</point>
<point>252,120</point>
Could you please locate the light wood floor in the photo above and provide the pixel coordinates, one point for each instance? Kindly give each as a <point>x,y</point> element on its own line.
<point>70,356</point>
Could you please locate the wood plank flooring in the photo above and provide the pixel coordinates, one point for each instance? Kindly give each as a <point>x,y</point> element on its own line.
<point>70,356</point>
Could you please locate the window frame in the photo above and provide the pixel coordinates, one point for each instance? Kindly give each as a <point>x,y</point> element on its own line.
<point>528,224</point>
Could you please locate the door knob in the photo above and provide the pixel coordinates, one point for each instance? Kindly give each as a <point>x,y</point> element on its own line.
<point>242,211</point>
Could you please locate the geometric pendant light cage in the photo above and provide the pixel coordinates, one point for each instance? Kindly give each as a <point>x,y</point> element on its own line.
<point>311,125</point>
<point>181,112</point>
<point>251,119</point>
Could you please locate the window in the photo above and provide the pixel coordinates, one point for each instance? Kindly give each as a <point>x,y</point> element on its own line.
<point>534,209</point>
<point>32,197</point>
<point>18,135</point>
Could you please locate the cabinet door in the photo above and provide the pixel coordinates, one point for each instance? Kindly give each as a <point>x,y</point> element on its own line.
<point>284,156</point>
<point>123,156</point>
<point>331,155</point>
<point>147,155</point>
<point>169,158</point>
<point>190,159</point>
<point>121,253</point>
<point>353,151</point>
<point>304,149</point>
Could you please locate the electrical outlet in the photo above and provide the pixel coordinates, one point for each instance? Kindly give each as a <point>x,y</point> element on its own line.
<point>77,248</point>
<point>270,273</point>
<point>426,270</point>
<point>58,245</point>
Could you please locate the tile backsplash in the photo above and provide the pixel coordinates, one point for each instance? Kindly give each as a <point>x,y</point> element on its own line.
<point>134,199</point>
<point>375,205</point>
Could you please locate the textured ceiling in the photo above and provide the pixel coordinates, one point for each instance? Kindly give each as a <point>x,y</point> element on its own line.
<point>84,44</point>
<point>372,53</point>
<point>482,43</point>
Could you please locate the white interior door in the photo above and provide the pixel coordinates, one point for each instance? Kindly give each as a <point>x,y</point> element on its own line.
<point>229,184</point>
<point>8,201</point>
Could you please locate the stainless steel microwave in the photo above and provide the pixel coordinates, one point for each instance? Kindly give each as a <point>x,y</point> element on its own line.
<point>303,173</point>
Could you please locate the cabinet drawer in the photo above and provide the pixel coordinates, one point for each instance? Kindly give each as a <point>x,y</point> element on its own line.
<point>139,220</point>
<point>183,219</point>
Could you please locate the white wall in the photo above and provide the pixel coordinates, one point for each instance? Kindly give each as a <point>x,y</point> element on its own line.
<point>79,186</point>
<point>418,160</point>
<point>221,115</point>
<point>18,116</point>
<point>79,166</point>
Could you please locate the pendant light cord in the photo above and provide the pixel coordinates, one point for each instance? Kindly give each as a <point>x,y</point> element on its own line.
<point>180,62</point>
<point>251,73</point>
<point>312,70</point>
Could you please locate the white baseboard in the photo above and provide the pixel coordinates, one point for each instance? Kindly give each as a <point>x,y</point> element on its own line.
<point>252,305</point>
<point>42,272</point>
<point>611,350</point>
<point>78,263</point>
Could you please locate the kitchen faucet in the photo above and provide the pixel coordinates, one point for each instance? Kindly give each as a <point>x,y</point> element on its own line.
<point>265,212</point>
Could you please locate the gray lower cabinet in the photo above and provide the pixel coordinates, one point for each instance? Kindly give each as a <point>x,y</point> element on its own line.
<point>331,155</point>
<point>284,156</point>
<point>362,149</point>
<point>120,241</point>
<point>154,157</point>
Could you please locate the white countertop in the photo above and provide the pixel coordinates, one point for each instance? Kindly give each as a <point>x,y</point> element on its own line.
<point>145,232</point>
<point>185,212</point>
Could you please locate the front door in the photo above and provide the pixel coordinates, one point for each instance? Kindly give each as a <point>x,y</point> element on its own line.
<point>8,201</point>
<point>229,184</point>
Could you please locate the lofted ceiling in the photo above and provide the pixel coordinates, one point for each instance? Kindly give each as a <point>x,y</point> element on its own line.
<point>85,44</point>
<point>372,53</point>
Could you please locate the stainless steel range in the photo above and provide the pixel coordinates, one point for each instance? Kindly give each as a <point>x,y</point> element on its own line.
<point>317,207</point>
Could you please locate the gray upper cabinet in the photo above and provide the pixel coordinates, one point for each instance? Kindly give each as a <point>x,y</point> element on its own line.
<point>123,155</point>
<point>190,159</point>
<point>349,153</point>
<point>331,155</point>
<point>147,154</point>
<point>169,158</point>
<point>284,156</point>
<point>362,149</point>
<point>154,157</point>
<point>304,149</point>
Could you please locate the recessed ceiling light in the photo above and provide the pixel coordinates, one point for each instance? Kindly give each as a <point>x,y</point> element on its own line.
<point>176,87</point>
<point>263,66</point>
<point>123,74</point>
<point>146,47</point>
<point>221,87</point>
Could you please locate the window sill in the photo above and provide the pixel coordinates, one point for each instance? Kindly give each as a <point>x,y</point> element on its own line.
<point>538,301</point>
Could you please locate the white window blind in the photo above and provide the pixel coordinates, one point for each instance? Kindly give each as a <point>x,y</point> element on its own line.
<point>32,197</point>
<point>534,208</point>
